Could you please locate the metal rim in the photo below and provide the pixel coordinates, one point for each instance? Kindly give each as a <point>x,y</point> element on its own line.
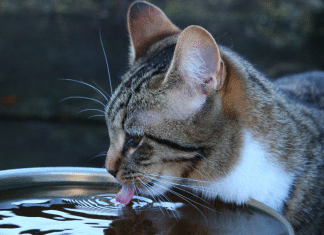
<point>272,212</point>
<point>26,177</point>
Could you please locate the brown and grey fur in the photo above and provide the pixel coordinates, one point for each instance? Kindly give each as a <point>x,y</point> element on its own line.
<point>150,129</point>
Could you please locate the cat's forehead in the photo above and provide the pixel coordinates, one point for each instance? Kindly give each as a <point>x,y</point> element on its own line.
<point>133,93</point>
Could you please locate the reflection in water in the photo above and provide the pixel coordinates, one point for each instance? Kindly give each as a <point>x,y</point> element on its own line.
<point>101,214</point>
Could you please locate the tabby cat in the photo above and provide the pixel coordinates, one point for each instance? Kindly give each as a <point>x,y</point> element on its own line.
<point>192,112</point>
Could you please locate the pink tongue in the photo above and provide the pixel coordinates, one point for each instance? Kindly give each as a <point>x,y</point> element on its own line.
<point>125,195</point>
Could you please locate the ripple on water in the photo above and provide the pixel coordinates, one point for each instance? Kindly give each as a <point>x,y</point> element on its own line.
<point>80,215</point>
<point>101,214</point>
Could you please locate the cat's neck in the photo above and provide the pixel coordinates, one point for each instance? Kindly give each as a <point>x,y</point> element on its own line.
<point>247,95</point>
<point>255,139</point>
<point>255,105</point>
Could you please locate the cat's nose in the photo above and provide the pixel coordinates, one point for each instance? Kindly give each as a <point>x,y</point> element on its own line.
<point>113,161</point>
<point>112,172</point>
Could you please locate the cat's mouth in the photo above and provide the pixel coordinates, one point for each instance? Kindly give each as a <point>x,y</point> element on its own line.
<point>126,193</point>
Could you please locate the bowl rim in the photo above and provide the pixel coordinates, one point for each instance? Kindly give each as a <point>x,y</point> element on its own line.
<point>27,177</point>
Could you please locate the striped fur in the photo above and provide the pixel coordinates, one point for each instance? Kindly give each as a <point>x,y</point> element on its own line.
<point>248,119</point>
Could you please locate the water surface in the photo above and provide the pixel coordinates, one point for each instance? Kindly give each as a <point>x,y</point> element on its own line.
<point>93,210</point>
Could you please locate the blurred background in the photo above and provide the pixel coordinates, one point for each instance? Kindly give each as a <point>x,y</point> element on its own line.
<point>43,41</point>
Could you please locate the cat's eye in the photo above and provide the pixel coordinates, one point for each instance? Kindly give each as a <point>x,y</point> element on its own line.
<point>137,139</point>
<point>133,141</point>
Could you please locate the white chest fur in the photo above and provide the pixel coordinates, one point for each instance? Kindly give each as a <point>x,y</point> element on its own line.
<point>254,177</point>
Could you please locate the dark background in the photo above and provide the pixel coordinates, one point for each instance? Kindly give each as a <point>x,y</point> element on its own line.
<point>42,41</point>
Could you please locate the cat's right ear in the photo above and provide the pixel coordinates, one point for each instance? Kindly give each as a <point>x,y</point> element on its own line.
<point>197,61</point>
<point>147,24</point>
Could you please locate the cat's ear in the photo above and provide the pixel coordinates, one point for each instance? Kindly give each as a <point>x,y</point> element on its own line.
<point>147,24</point>
<point>197,60</point>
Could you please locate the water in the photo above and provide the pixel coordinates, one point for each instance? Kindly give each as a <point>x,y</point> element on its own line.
<point>87,210</point>
<point>87,215</point>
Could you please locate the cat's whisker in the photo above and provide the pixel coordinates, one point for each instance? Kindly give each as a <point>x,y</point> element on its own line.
<point>167,199</point>
<point>85,110</point>
<point>114,101</point>
<point>221,36</point>
<point>134,185</point>
<point>199,154</point>
<point>98,115</point>
<point>175,186</point>
<point>147,189</point>
<point>202,174</point>
<point>101,89</point>
<point>198,188</point>
<point>160,181</point>
<point>175,213</point>
<point>200,198</point>
<point>87,84</point>
<point>98,155</point>
<point>194,187</point>
<point>103,49</point>
<point>137,190</point>
<point>185,198</point>
<point>160,207</point>
<point>175,178</point>
<point>82,97</point>
<point>232,44</point>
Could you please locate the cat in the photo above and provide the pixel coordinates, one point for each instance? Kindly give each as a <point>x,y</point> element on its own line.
<point>191,112</point>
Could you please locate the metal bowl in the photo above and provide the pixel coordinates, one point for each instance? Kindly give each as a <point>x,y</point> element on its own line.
<point>73,200</point>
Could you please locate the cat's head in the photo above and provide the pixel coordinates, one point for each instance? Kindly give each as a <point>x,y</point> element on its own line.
<point>163,115</point>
